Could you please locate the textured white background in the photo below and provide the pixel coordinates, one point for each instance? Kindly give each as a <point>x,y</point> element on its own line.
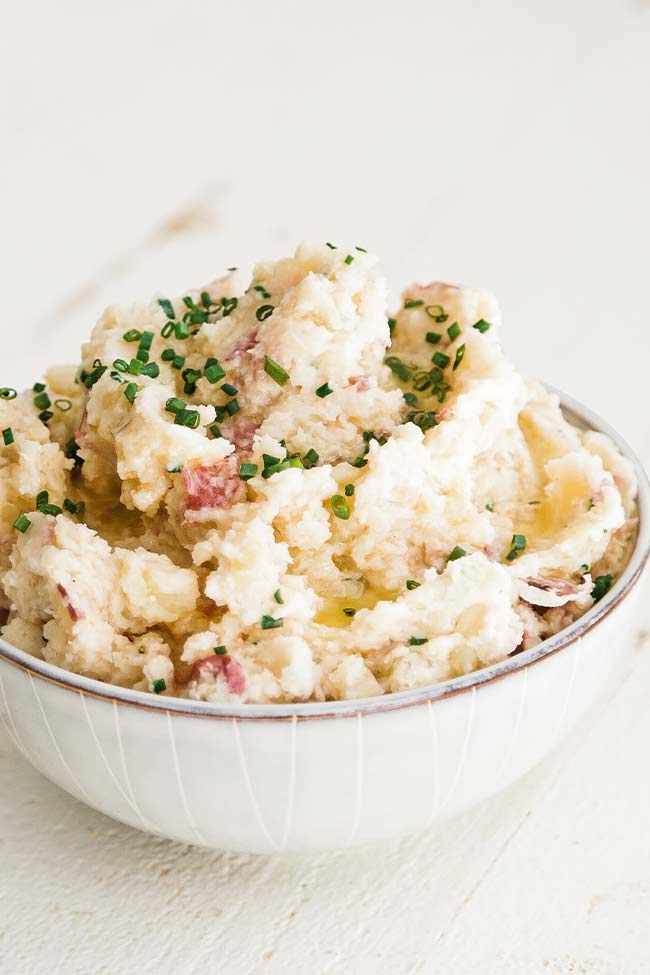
<point>146,146</point>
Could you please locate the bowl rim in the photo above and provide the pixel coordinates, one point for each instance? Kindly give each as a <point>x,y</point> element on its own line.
<point>578,414</point>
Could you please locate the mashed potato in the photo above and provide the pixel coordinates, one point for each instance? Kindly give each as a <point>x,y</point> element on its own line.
<point>271,491</point>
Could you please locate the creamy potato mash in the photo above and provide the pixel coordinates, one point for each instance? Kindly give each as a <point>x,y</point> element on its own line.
<point>269,490</point>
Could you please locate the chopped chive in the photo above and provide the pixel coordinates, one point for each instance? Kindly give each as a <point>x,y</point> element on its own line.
<point>584,567</point>
<point>42,498</point>
<point>359,462</point>
<point>38,387</point>
<point>229,390</point>
<point>417,641</point>
<point>71,451</point>
<point>349,490</point>
<point>168,329</point>
<point>269,623</point>
<point>453,331</point>
<point>228,305</point>
<point>159,686</point>
<point>437,313</point>
<point>310,459</point>
<point>220,651</point>
<point>178,362</point>
<point>6,392</point>
<point>481,325</point>
<point>362,249</point>
<point>167,307</point>
<point>397,367</point>
<point>277,595</point>
<point>135,367</point>
<point>490,506</point>
<point>246,471</point>
<point>349,259</point>
<point>349,611</point>
<point>324,390</point>
<point>187,418</point>
<point>42,401</point>
<point>215,431</point>
<point>413,303</point>
<point>392,322</point>
<point>213,371</point>
<point>534,502</point>
<point>22,523</point>
<point>167,355</point>
<point>174,404</point>
<point>275,371</point>
<point>440,359</point>
<point>8,436</point>
<point>50,509</point>
<point>339,507</point>
<point>71,506</point>
<point>332,247</point>
<point>206,300</point>
<point>174,468</point>
<point>131,391</point>
<point>182,330</point>
<point>232,407</point>
<point>45,416</point>
<point>133,335</point>
<point>264,312</point>
<point>145,340</point>
<point>261,290</point>
<point>602,585</point>
<point>460,355</point>
<point>410,399</point>
<point>433,337</point>
<point>412,584</point>
<point>518,545</point>
<point>456,553</point>
<point>151,369</point>
<point>63,404</point>
<point>424,419</point>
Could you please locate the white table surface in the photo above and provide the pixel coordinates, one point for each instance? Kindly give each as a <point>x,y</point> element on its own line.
<point>146,146</point>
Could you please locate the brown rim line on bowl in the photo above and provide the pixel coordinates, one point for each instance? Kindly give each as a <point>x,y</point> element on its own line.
<point>577,414</point>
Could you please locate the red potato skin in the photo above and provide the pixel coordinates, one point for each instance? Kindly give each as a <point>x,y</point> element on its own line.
<point>213,486</point>
<point>222,665</point>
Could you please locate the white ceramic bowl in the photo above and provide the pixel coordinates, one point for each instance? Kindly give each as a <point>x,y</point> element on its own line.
<point>309,777</point>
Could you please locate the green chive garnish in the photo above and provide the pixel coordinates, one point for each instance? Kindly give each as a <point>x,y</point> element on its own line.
<point>22,523</point>
<point>174,404</point>
<point>229,390</point>
<point>38,387</point>
<point>481,325</point>
<point>275,371</point>
<point>518,544</point>
<point>324,390</point>
<point>412,584</point>
<point>310,459</point>
<point>130,391</point>
<point>167,307</point>
<point>417,641</point>
<point>133,335</point>
<point>277,595</point>
<point>63,404</point>
<point>263,312</point>
<point>42,401</point>
<point>8,436</point>
<point>246,471</point>
<point>437,313</point>
<point>269,623</point>
<point>413,303</point>
<point>349,611</point>
<point>213,371</point>
<point>232,407</point>
<point>460,355</point>
<point>220,651</point>
<point>456,553</point>
<point>339,507</point>
<point>6,392</point>
<point>602,585</point>
<point>174,468</point>
<point>332,247</point>
<point>453,331</point>
<point>349,490</point>
<point>349,259</point>
<point>228,305</point>
<point>440,359</point>
<point>159,686</point>
<point>362,249</point>
<point>396,366</point>
<point>490,506</point>
<point>433,337</point>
